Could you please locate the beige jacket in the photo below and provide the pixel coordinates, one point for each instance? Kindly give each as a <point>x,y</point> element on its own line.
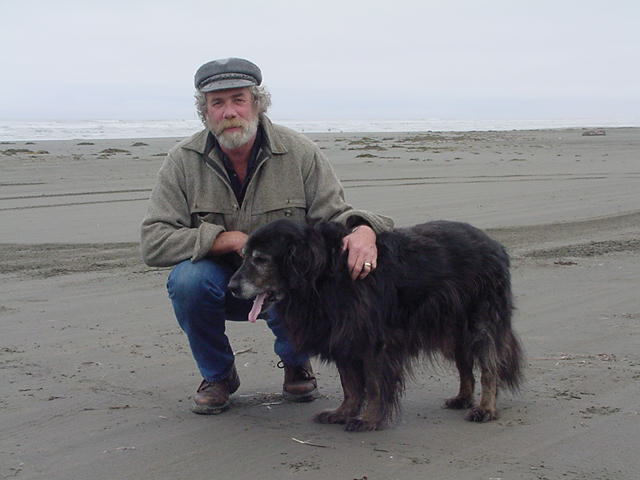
<point>193,202</point>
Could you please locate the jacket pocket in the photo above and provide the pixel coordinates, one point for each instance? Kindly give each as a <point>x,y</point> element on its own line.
<point>291,208</point>
<point>209,213</point>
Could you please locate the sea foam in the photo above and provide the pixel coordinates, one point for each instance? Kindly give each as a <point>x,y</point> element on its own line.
<point>16,130</point>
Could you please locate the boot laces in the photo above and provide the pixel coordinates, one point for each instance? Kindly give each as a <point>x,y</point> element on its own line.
<point>299,371</point>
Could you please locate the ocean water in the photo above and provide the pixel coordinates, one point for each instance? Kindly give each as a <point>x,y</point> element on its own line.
<point>14,130</point>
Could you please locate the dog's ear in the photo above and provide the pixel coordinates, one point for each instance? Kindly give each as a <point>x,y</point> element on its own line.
<point>305,259</point>
<point>332,234</point>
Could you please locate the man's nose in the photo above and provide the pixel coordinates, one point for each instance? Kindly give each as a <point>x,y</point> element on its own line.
<point>229,112</point>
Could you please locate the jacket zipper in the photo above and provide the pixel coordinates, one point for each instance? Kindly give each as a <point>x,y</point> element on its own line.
<point>223,176</point>
<point>244,215</point>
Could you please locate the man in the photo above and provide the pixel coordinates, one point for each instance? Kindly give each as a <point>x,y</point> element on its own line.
<point>215,188</point>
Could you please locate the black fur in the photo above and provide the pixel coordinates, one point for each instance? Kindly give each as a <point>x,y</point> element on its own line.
<point>438,287</point>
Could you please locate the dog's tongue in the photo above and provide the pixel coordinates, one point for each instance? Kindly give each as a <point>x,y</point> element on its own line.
<point>257,307</point>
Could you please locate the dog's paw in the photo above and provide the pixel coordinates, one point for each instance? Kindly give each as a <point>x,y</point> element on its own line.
<point>458,403</point>
<point>480,415</point>
<point>358,424</point>
<point>330,416</point>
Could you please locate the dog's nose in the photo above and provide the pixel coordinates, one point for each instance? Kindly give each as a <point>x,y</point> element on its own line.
<point>234,288</point>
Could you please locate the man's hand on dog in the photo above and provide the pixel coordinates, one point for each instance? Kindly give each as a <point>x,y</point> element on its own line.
<point>226,242</point>
<point>363,253</point>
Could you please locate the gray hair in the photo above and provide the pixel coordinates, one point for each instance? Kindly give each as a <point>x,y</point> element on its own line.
<point>261,100</point>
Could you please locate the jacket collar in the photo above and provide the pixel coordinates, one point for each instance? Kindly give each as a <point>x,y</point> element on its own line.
<point>272,140</point>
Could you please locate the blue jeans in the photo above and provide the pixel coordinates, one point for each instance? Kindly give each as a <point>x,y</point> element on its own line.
<point>202,304</point>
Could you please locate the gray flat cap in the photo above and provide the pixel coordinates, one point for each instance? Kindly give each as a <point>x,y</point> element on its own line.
<point>227,73</point>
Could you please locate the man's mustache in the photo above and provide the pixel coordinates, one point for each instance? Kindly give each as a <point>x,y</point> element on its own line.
<point>230,124</point>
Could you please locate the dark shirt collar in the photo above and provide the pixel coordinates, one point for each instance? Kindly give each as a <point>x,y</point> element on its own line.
<point>239,188</point>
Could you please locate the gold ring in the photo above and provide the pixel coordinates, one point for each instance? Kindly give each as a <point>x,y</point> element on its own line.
<point>368,264</point>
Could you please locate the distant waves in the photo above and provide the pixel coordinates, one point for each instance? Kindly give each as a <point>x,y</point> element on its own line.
<point>111,129</point>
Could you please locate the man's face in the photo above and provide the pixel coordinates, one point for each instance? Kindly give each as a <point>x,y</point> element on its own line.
<point>232,117</point>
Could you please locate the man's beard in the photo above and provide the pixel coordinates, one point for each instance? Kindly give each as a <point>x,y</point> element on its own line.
<point>233,140</point>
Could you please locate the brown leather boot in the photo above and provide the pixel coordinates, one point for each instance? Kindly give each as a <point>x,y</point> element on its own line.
<point>299,383</point>
<point>213,397</point>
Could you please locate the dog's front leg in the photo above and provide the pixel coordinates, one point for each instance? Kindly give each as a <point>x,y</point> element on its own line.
<point>351,377</point>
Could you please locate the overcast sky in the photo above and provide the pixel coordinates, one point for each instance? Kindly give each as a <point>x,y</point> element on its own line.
<point>396,59</point>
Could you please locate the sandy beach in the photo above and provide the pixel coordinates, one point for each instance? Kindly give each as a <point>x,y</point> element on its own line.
<point>96,374</point>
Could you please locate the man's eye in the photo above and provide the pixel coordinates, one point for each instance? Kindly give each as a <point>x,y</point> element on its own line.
<point>260,260</point>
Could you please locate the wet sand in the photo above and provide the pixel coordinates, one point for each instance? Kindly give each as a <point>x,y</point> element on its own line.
<point>96,374</point>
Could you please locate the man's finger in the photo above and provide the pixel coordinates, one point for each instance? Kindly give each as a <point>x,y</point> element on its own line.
<point>356,272</point>
<point>359,268</point>
<point>365,271</point>
<point>352,263</point>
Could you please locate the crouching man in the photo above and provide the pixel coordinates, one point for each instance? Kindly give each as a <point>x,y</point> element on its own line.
<point>216,187</point>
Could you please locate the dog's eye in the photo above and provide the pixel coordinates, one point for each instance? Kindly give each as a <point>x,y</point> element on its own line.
<point>260,260</point>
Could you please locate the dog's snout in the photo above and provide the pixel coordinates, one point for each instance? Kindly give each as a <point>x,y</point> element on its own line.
<point>234,287</point>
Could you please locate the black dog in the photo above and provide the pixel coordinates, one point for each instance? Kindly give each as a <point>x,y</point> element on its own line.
<point>439,287</point>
